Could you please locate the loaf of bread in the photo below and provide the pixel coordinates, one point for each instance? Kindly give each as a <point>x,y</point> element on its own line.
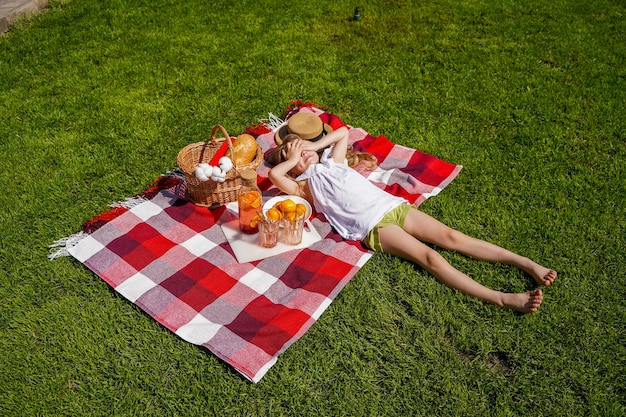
<point>244,148</point>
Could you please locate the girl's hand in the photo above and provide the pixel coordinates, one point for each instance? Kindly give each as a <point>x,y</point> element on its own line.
<point>307,145</point>
<point>294,150</point>
<point>279,175</point>
<point>339,138</point>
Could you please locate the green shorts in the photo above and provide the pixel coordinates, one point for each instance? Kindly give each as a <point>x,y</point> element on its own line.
<point>395,216</point>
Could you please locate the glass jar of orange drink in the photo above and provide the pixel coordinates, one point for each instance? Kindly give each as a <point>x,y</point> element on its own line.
<point>249,201</point>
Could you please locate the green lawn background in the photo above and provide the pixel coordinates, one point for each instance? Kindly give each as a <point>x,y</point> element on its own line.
<point>97,98</point>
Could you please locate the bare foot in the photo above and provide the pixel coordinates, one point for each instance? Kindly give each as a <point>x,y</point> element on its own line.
<point>545,276</point>
<point>541,275</point>
<point>526,302</point>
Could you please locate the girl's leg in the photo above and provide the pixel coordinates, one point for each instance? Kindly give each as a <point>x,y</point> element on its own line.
<point>427,229</point>
<point>395,241</point>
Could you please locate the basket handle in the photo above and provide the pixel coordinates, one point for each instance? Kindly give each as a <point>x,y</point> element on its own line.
<point>227,138</point>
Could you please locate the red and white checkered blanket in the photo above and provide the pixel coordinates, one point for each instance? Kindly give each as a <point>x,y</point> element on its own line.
<point>171,258</point>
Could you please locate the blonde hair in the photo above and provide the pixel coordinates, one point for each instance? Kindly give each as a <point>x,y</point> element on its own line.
<point>353,157</point>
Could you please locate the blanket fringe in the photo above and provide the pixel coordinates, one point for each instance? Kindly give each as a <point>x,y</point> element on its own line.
<point>64,244</point>
<point>273,121</point>
<point>61,247</point>
<point>174,180</point>
<point>129,203</point>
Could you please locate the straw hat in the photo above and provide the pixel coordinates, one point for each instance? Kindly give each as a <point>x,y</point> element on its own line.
<point>306,125</point>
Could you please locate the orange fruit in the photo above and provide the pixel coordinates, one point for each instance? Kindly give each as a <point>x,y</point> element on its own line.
<point>287,206</point>
<point>274,214</point>
<point>255,220</point>
<point>250,199</point>
<point>291,216</point>
<point>244,202</point>
<point>255,198</point>
<point>300,210</point>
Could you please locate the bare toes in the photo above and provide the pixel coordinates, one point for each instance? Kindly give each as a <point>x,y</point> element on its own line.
<point>545,277</point>
<point>527,302</point>
<point>536,298</point>
<point>549,277</point>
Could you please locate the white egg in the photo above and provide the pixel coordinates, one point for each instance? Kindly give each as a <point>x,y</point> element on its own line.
<point>225,163</point>
<point>199,172</point>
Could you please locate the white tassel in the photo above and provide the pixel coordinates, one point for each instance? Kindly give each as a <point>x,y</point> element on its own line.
<point>273,121</point>
<point>64,244</point>
<point>69,242</point>
<point>175,173</point>
<point>129,203</point>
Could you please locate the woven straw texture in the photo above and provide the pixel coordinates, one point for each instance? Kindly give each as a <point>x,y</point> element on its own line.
<point>212,193</point>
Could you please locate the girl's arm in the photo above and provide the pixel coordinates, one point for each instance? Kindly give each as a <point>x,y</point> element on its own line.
<point>279,174</point>
<point>337,137</point>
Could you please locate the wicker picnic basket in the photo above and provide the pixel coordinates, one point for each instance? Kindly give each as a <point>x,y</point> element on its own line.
<point>212,193</point>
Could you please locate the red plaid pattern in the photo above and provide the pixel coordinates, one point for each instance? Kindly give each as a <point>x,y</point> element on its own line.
<point>171,259</point>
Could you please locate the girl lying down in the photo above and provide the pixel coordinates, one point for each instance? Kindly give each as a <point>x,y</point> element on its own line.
<point>359,210</point>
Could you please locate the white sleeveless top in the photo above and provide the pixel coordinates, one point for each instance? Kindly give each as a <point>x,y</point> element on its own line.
<point>350,202</point>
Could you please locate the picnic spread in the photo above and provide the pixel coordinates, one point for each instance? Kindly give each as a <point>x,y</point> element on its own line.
<point>186,265</point>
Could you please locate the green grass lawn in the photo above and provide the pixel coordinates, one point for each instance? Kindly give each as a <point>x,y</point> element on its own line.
<point>97,98</point>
